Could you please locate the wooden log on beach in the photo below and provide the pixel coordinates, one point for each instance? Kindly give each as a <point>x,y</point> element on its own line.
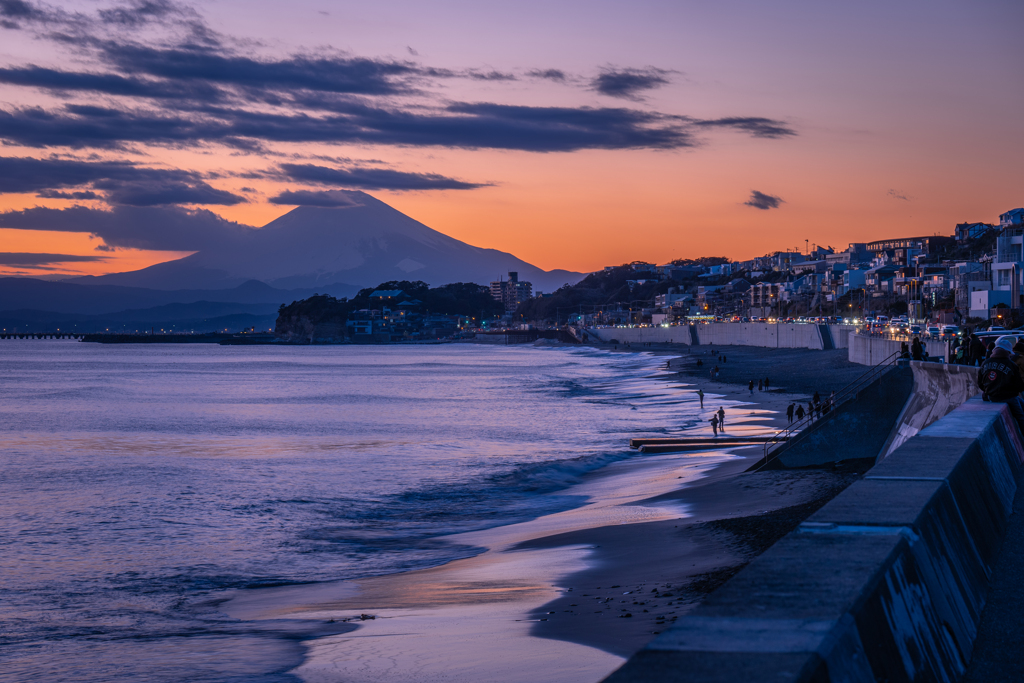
<point>683,440</point>
<point>706,445</point>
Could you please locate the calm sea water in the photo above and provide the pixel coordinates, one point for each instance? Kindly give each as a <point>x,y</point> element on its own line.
<point>140,483</point>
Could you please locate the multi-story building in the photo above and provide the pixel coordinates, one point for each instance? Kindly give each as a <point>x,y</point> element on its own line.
<point>764,299</point>
<point>511,292</point>
<point>902,250</point>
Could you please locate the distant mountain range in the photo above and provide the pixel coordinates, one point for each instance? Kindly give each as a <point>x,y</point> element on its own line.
<point>363,243</point>
<point>240,282</point>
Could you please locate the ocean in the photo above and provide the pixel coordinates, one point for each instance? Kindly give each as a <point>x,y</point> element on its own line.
<point>140,484</point>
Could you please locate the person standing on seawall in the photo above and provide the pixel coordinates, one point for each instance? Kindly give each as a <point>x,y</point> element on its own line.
<point>789,412</point>
<point>1000,380</point>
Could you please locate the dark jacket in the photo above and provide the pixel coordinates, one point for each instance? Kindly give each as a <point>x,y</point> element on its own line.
<point>1000,379</point>
<point>976,351</point>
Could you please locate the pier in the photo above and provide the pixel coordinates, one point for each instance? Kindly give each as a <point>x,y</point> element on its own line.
<point>39,335</point>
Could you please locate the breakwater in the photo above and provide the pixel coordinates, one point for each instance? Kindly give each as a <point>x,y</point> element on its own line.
<point>886,582</point>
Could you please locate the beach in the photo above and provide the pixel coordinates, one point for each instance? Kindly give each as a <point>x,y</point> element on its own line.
<point>568,596</point>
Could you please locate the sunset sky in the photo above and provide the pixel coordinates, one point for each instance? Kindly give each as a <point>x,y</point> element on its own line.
<point>572,134</point>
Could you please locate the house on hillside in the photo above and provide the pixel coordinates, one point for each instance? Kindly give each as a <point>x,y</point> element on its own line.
<point>1012,218</point>
<point>970,231</point>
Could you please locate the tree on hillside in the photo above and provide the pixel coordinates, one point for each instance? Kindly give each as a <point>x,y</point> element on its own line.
<point>603,288</point>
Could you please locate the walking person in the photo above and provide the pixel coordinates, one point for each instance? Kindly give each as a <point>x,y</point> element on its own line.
<point>817,398</point>
<point>721,418</point>
<point>700,395</point>
<point>751,387</point>
<point>760,385</point>
<point>799,412</point>
<point>714,424</point>
<point>789,412</point>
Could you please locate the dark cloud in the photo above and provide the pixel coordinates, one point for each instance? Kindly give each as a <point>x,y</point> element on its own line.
<point>108,84</point>
<point>10,258</point>
<point>328,74</point>
<point>550,74</point>
<point>57,194</point>
<point>141,12</point>
<point>160,228</point>
<point>121,181</point>
<point>758,127</point>
<point>17,9</point>
<point>331,198</point>
<point>629,83</point>
<point>462,125</point>
<point>373,178</point>
<point>491,75</point>
<point>760,200</point>
<point>165,193</point>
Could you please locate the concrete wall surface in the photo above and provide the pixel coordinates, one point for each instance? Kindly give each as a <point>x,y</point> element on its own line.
<point>766,335</point>
<point>939,388</point>
<point>886,582</point>
<point>857,430</point>
<point>871,350</point>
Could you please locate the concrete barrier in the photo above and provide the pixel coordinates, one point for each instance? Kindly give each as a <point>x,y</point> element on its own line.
<point>939,388</point>
<point>886,582</point>
<point>767,335</point>
<point>868,349</point>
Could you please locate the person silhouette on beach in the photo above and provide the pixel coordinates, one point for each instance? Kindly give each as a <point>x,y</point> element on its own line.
<point>766,381</point>
<point>760,385</point>
<point>721,418</point>
<point>751,387</point>
<point>714,424</point>
<point>789,412</point>
<point>799,412</point>
<point>700,394</point>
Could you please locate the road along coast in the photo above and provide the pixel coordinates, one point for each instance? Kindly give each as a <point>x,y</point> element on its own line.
<point>569,596</point>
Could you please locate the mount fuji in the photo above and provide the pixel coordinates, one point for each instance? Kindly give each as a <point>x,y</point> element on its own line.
<point>361,243</point>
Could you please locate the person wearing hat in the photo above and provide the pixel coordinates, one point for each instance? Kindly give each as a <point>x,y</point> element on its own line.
<point>1000,380</point>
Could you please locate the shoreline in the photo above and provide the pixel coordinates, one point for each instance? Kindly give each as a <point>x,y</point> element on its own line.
<point>537,582</point>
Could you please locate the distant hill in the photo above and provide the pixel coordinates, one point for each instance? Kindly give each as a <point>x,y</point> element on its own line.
<point>30,305</point>
<point>359,245</point>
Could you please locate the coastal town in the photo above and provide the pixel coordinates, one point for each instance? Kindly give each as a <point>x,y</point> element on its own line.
<point>928,286</point>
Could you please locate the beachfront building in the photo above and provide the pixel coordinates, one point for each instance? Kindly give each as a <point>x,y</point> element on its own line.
<point>511,292</point>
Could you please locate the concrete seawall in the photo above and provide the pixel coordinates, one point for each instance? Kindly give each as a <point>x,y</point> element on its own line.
<point>938,390</point>
<point>872,350</point>
<point>885,582</point>
<point>870,417</point>
<point>791,336</point>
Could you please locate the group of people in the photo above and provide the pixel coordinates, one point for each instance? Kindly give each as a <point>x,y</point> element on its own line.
<point>816,408</point>
<point>1000,377</point>
<point>717,419</point>
<point>915,351</point>
<point>970,351</point>
<point>762,385</point>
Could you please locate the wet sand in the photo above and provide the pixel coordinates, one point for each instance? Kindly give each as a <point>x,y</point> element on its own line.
<point>549,598</point>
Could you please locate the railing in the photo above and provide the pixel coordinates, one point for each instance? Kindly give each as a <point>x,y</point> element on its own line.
<point>842,396</point>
